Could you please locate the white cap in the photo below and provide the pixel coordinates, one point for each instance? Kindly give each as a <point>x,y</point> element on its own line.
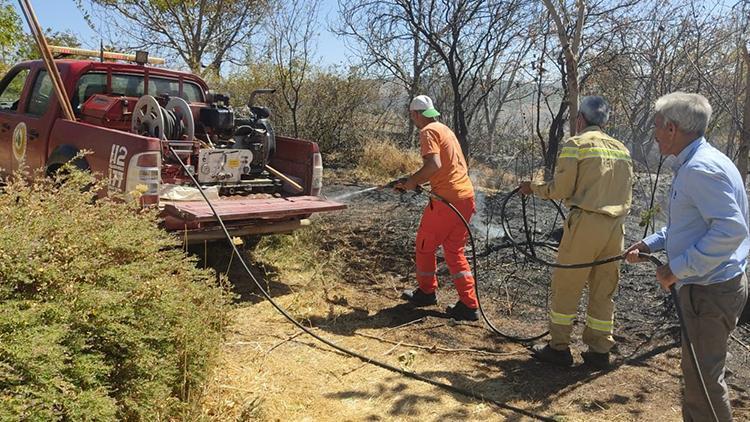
<point>423,103</point>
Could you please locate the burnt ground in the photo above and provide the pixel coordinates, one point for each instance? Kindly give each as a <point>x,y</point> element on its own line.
<point>269,371</point>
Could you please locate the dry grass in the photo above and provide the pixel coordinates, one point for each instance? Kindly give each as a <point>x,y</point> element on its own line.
<point>383,161</point>
<point>269,371</point>
<point>487,178</point>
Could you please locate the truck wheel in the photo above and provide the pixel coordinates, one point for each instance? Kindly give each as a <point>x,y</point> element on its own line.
<point>54,168</point>
<point>251,241</point>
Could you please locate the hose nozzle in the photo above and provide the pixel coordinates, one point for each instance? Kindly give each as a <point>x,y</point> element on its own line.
<point>392,185</point>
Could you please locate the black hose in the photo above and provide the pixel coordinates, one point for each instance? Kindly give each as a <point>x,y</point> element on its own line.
<point>329,343</point>
<point>476,277</point>
<point>533,257</point>
<point>526,230</point>
<point>173,128</point>
<point>693,356</point>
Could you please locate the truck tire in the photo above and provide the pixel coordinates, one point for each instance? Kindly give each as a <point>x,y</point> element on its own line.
<point>251,241</point>
<point>62,155</point>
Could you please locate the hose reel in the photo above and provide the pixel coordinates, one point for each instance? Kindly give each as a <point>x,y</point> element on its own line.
<point>171,122</point>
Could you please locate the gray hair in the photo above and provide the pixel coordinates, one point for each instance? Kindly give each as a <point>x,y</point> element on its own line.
<point>690,112</point>
<point>595,110</point>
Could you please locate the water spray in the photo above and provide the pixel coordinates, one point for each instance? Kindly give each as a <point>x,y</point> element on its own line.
<point>391,185</point>
<point>357,192</point>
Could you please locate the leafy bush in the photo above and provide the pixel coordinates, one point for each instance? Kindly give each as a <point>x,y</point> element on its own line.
<point>102,317</point>
<point>339,111</point>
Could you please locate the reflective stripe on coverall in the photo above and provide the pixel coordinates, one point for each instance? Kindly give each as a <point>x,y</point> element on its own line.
<point>593,175</point>
<point>440,226</point>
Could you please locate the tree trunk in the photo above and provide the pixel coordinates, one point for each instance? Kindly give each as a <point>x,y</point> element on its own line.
<point>556,133</point>
<point>463,133</point>
<point>459,124</point>
<point>416,80</point>
<point>742,153</point>
<point>572,66</point>
<point>294,122</point>
<point>570,47</point>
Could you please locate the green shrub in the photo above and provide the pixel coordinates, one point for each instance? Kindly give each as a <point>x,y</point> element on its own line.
<point>102,317</point>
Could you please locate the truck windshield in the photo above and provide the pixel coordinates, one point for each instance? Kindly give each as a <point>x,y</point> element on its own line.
<point>131,85</point>
<point>159,86</point>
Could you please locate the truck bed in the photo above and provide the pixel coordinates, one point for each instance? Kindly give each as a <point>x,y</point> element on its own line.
<point>234,209</point>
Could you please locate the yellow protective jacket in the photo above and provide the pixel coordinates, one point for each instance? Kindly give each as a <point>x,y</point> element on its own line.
<point>594,172</point>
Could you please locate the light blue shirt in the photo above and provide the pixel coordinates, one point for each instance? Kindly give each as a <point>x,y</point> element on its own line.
<point>706,237</point>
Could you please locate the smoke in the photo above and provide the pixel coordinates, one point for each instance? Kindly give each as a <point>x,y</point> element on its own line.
<point>486,224</point>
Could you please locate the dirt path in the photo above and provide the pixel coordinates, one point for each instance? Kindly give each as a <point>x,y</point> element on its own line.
<point>270,371</point>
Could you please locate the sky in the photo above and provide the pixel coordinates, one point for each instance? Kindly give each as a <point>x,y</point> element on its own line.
<point>63,16</point>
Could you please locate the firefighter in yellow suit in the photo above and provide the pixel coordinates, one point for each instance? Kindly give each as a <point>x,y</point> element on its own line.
<point>594,176</point>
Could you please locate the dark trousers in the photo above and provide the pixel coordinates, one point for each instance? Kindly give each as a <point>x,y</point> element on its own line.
<point>711,314</point>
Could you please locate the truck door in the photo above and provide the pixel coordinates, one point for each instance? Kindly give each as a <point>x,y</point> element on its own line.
<point>12,89</point>
<point>38,116</point>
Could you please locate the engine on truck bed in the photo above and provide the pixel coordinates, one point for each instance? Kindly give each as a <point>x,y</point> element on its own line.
<point>220,148</point>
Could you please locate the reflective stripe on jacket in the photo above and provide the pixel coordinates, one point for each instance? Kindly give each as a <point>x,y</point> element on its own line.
<point>594,172</point>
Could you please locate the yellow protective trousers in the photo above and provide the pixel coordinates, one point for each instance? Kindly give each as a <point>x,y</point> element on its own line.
<point>587,237</point>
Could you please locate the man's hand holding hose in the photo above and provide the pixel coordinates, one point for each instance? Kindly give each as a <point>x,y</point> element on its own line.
<point>406,184</point>
<point>663,273</point>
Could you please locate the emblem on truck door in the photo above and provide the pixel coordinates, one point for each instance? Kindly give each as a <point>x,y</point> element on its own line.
<point>19,141</point>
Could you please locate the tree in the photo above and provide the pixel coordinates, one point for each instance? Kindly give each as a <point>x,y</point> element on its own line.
<point>468,37</point>
<point>203,33</point>
<point>291,44</point>
<point>588,35</point>
<point>570,43</point>
<point>10,32</point>
<point>28,49</point>
<point>387,46</point>
<point>742,155</point>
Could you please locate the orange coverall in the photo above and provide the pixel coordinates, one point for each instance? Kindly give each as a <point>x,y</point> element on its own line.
<point>440,226</point>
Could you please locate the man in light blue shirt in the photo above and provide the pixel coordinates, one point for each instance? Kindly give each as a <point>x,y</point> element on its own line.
<point>707,243</point>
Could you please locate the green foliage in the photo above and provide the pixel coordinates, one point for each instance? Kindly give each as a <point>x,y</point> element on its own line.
<point>338,111</point>
<point>15,45</point>
<point>217,28</point>
<point>102,317</point>
<point>648,215</point>
<point>10,32</point>
<point>28,50</point>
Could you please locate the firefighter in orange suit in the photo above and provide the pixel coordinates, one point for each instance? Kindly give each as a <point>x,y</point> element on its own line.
<point>443,164</point>
<point>594,176</point>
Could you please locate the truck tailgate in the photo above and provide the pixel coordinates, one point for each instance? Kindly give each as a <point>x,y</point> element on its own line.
<point>231,209</point>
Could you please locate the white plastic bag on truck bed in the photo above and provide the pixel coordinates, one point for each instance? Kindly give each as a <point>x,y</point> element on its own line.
<point>187,193</point>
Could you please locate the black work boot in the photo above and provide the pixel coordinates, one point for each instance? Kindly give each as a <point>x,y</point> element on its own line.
<point>545,353</point>
<point>596,360</point>
<point>461,312</point>
<point>419,298</point>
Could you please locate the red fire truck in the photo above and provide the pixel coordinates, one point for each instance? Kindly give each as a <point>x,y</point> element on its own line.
<point>136,120</point>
